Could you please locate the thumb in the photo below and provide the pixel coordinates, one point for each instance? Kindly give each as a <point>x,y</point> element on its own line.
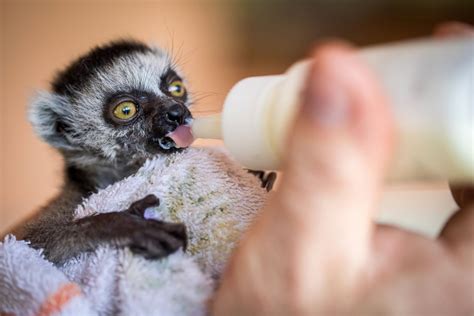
<point>336,156</point>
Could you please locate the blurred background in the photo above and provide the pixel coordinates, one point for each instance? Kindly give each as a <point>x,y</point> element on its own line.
<point>216,42</point>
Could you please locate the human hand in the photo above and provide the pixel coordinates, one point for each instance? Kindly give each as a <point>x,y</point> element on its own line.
<point>315,249</point>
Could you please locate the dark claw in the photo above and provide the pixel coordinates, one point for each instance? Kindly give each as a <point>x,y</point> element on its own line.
<point>154,239</point>
<point>258,173</point>
<point>268,180</point>
<point>139,207</point>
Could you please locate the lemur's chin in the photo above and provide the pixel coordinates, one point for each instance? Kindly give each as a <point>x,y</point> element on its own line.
<point>166,143</point>
<point>163,145</point>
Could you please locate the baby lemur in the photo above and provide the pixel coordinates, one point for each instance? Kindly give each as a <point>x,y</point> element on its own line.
<point>108,112</point>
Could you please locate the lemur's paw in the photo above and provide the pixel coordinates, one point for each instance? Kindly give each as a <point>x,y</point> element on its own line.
<point>267,178</point>
<point>158,239</point>
<point>139,207</point>
<point>150,238</point>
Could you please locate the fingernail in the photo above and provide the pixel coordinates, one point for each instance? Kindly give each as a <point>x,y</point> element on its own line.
<point>326,103</point>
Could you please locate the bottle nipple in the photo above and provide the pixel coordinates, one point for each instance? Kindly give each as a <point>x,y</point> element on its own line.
<point>207,127</point>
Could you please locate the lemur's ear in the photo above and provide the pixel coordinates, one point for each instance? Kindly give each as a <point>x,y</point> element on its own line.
<point>50,119</point>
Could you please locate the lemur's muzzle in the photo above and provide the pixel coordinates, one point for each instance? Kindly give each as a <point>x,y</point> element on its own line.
<point>171,127</point>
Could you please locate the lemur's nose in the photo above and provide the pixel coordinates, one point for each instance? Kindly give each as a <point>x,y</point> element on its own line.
<point>176,114</point>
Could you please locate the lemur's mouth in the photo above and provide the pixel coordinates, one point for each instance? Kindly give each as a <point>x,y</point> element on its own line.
<point>181,137</point>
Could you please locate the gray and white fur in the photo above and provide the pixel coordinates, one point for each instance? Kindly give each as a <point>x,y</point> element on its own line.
<point>76,118</point>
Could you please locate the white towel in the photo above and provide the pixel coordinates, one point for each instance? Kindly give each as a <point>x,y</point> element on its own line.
<point>30,285</point>
<point>213,196</point>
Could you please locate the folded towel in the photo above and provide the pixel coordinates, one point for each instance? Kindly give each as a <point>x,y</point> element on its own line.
<point>30,285</point>
<point>202,188</point>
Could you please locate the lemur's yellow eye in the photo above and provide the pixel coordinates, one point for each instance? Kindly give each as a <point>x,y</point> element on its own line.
<point>125,110</point>
<point>176,88</point>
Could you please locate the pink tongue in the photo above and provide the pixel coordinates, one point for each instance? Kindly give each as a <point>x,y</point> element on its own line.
<point>182,136</point>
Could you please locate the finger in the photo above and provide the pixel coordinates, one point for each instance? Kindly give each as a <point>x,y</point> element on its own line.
<point>450,29</point>
<point>150,200</point>
<point>337,154</point>
<point>139,207</point>
<point>458,232</point>
<point>319,218</point>
<point>177,230</point>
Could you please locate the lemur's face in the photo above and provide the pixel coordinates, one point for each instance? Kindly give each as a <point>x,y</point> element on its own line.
<point>118,103</point>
